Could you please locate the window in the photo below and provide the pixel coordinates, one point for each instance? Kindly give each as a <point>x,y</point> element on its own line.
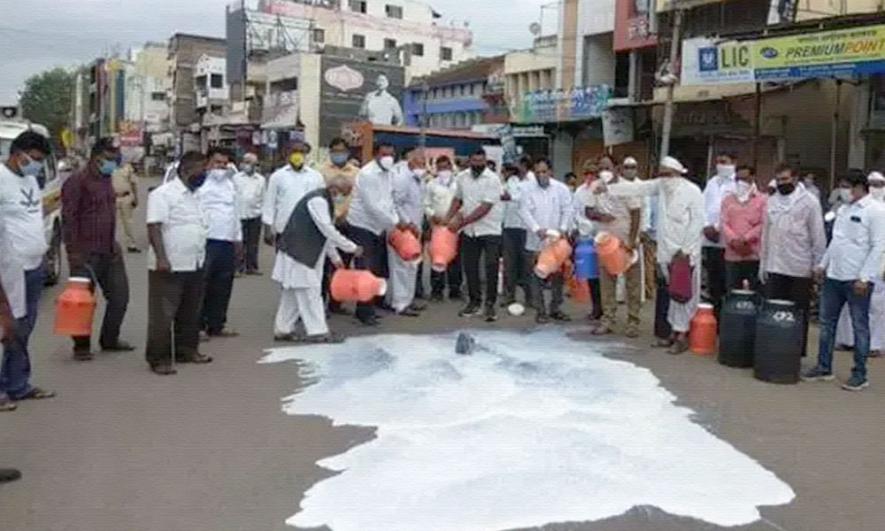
<point>358,6</point>
<point>389,44</point>
<point>445,53</point>
<point>418,49</point>
<point>319,36</point>
<point>158,96</point>
<point>284,85</point>
<point>358,41</point>
<point>217,81</point>
<point>393,11</point>
<point>200,82</point>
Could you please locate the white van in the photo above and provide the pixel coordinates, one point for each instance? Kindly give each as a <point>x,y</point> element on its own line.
<point>50,183</point>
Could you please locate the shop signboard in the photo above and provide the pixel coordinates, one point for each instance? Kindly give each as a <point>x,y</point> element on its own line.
<point>847,52</point>
<point>824,54</point>
<point>580,103</point>
<point>617,126</point>
<point>633,25</point>
<point>708,62</point>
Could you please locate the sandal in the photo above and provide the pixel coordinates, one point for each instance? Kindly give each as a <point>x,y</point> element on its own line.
<point>679,346</point>
<point>36,394</point>
<point>602,330</point>
<point>83,355</point>
<point>328,339</point>
<point>7,405</point>
<point>196,359</point>
<point>409,312</point>
<point>561,317</point>
<point>163,369</point>
<point>225,334</point>
<point>288,338</point>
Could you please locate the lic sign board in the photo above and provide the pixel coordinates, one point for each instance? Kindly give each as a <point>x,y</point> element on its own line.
<point>706,62</point>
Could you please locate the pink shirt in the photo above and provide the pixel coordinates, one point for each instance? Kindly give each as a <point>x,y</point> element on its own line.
<point>743,221</point>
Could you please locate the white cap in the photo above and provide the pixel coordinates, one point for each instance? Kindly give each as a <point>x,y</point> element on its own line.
<point>672,164</point>
<point>876,176</point>
<point>630,161</point>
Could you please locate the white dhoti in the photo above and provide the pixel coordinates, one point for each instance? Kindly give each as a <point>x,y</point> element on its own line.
<point>301,298</point>
<point>403,279</point>
<point>680,315</point>
<point>845,331</point>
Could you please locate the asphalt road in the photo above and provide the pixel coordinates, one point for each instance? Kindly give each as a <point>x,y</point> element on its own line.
<point>210,449</point>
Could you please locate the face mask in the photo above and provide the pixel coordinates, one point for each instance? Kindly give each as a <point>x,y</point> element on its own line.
<point>786,188</point>
<point>630,173</point>
<point>218,175</point>
<point>338,159</point>
<point>606,176</point>
<point>386,163</point>
<point>477,170</point>
<point>296,160</point>
<point>878,193</point>
<point>196,181</point>
<point>30,167</point>
<point>445,175</point>
<point>248,169</point>
<point>724,170</point>
<point>419,172</point>
<point>743,190</point>
<point>107,167</point>
<point>845,195</point>
<point>543,181</point>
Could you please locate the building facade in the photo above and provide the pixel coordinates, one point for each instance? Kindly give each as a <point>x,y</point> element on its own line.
<point>458,97</point>
<point>184,53</point>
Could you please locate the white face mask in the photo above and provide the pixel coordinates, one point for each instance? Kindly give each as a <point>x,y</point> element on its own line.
<point>670,184</point>
<point>725,170</point>
<point>630,173</point>
<point>743,189</point>
<point>445,175</point>
<point>878,193</point>
<point>386,163</point>
<point>845,195</point>
<point>419,172</point>
<point>606,176</point>
<point>219,175</point>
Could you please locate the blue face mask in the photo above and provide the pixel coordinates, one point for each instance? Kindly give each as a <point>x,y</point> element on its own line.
<point>338,159</point>
<point>108,167</point>
<point>31,167</point>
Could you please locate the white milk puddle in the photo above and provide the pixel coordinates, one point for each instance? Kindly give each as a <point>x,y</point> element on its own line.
<point>536,430</point>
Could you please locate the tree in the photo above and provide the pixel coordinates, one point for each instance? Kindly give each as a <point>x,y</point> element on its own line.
<point>47,99</point>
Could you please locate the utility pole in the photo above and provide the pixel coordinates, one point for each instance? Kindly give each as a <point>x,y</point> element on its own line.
<point>675,44</point>
<point>425,90</point>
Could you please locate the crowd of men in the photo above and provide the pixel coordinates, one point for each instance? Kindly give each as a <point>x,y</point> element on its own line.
<point>205,224</point>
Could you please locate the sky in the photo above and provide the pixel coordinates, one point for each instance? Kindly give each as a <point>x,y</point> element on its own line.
<point>49,33</point>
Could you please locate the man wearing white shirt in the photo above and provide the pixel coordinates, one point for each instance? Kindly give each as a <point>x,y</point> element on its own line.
<point>545,205</point>
<point>250,187</point>
<point>309,237</point>
<point>177,230</point>
<point>437,202</point>
<point>372,214</point>
<point>476,212</point>
<point>285,189</point>
<point>408,199</point>
<point>224,244</point>
<point>586,228</point>
<point>21,209</point>
<point>850,267</point>
<point>517,270</point>
<point>718,188</point>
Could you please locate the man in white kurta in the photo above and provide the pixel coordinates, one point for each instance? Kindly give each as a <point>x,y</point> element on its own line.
<point>301,276</point>
<point>680,227</point>
<point>285,188</point>
<point>408,199</point>
<point>845,332</point>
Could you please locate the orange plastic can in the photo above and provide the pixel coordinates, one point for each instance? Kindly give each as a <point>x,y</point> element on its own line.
<point>552,257</point>
<point>615,259</point>
<point>350,285</point>
<point>405,244</point>
<point>703,336</point>
<point>443,247</point>
<point>75,309</point>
